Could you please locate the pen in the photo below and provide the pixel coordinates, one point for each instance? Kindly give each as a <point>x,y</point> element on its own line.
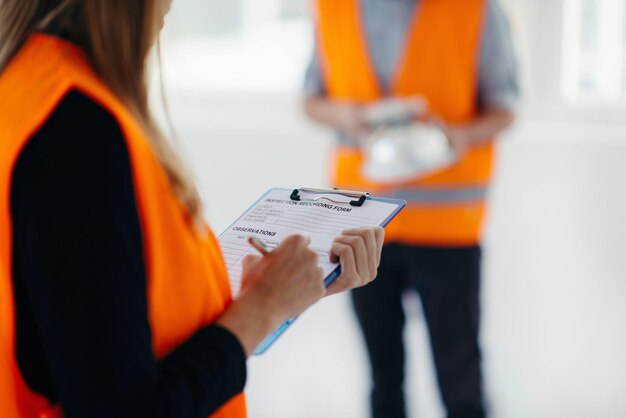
<point>259,245</point>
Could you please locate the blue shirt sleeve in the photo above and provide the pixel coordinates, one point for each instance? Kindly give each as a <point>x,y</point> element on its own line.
<point>313,79</point>
<point>498,77</point>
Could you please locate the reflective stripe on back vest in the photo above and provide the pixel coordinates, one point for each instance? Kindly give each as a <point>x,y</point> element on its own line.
<point>187,283</point>
<point>439,63</point>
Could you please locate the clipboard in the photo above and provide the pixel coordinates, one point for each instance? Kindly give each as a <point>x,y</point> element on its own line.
<point>284,211</point>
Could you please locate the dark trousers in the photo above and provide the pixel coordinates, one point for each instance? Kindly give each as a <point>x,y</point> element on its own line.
<point>447,280</point>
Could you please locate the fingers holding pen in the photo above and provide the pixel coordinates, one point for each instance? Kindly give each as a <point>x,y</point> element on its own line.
<point>249,262</point>
<point>294,243</point>
<point>288,277</point>
<point>277,284</point>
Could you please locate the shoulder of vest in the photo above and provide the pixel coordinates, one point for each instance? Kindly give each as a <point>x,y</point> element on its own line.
<point>40,76</point>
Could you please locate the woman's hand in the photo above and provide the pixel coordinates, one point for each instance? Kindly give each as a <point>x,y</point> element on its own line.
<point>288,279</point>
<point>277,286</point>
<point>358,251</point>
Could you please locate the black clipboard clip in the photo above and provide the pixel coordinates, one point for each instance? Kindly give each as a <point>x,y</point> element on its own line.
<point>361,196</point>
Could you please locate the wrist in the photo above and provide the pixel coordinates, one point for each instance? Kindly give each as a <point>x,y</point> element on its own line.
<point>457,132</point>
<point>349,118</point>
<point>249,320</point>
<point>256,304</point>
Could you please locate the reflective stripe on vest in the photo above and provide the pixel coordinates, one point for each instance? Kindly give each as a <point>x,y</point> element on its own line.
<point>187,284</point>
<point>460,195</point>
<point>440,64</point>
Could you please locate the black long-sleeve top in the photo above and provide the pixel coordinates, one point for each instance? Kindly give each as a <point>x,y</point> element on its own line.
<point>83,337</point>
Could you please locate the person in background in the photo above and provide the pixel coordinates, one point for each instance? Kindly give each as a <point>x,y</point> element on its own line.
<point>114,296</point>
<point>458,57</point>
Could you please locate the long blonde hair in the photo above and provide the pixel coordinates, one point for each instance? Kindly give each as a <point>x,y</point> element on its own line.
<point>117,37</point>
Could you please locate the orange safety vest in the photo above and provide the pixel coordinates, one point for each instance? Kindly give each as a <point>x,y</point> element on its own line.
<point>187,283</point>
<point>440,64</point>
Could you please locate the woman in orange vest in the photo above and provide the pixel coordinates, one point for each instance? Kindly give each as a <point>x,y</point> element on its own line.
<point>458,56</point>
<point>114,298</point>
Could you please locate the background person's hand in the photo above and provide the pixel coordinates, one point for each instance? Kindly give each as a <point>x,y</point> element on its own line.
<point>458,139</point>
<point>396,110</point>
<point>351,119</point>
<point>457,135</point>
<point>277,286</point>
<point>358,251</point>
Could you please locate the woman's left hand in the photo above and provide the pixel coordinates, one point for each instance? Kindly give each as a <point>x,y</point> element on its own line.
<point>358,251</point>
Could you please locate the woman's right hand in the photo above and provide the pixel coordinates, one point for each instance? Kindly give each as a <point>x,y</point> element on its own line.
<point>277,286</point>
<point>287,280</point>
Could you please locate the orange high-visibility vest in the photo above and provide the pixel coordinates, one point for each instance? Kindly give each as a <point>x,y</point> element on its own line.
<point>187,283</point>
<point>440,64</point>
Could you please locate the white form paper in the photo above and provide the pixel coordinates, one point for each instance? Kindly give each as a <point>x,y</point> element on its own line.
<point>275,216</point>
